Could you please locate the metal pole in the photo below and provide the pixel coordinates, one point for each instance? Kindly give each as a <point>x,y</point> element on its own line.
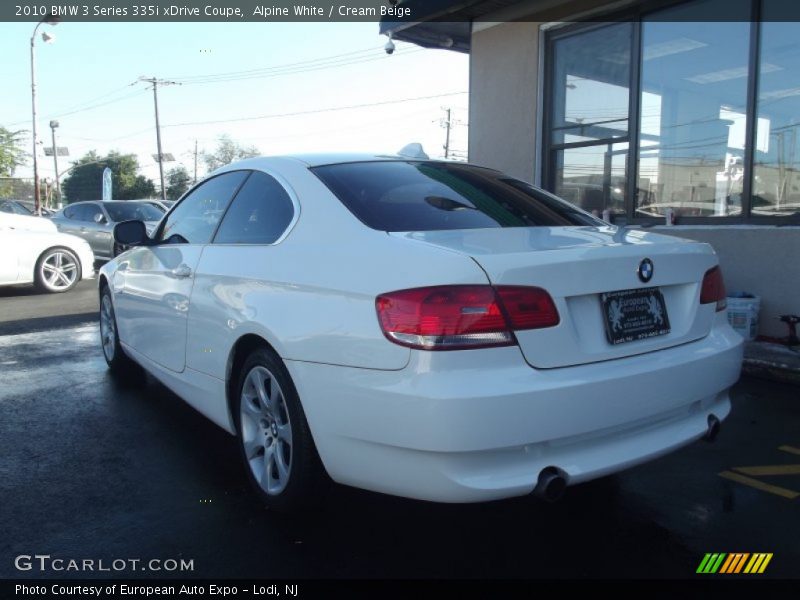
<point>158,141</point>
<point>55,165</point>
<point>36,207</point>
<point>447,135</point>
<point>195,161</point>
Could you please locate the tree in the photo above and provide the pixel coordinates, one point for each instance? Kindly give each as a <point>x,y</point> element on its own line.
<point>85,181</point>
<point>11,156</point>
<point>226,152</point>
<point>177,182</point>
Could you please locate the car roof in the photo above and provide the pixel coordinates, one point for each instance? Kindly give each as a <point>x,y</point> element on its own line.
<point>319,159</point>
<point>104,202</point>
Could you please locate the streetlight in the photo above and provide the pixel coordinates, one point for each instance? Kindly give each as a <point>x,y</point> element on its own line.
<point>48,38</point>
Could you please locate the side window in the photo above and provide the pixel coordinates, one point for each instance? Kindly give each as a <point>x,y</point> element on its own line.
<point>14,209</point>
<point>82,212</point>
<point>90,212</point>
<point>259,214</point>
<point>194,220</point>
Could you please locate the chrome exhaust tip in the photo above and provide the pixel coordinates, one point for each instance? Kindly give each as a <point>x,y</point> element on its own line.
<point>714,425</point>
<point>551,485</point>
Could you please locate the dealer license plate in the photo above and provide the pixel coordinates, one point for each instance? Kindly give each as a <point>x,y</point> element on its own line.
<point>632,315</point>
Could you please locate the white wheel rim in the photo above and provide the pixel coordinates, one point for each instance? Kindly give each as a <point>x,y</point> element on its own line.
<point>266,430</point>
<point>108,329</point>
<point>59,270</point>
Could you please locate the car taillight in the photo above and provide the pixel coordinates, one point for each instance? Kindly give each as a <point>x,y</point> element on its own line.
<point>713,289</point>
<point>456,317</point>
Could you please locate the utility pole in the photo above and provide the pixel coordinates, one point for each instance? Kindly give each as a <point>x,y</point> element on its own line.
<point>446,126</point>
<point>155,83</point>
<point>195,161</point>
<point>53,125</point>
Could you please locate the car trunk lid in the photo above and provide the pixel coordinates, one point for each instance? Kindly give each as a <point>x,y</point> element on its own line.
<point>577,266</point>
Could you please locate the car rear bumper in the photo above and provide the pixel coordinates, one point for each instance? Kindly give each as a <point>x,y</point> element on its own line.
<point>470,426</point>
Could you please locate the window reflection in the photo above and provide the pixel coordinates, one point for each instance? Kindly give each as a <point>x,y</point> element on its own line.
<point>776,173</point>
<point>590,99</point>
<point>693,112</point>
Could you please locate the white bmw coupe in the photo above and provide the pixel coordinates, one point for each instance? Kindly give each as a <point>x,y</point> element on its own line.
<point>33,251</point>
<point>421,328</point>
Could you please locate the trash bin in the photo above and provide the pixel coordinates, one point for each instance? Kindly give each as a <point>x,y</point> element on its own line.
<point>743,314</point>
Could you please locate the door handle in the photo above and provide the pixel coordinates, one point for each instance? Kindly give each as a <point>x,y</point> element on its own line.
<point>182,271</point>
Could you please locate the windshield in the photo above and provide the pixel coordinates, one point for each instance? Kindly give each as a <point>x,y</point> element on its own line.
<point>132,211</point>
<point>430,196</point>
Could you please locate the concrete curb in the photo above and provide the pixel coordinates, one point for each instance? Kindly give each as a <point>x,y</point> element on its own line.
<point>772,361</point>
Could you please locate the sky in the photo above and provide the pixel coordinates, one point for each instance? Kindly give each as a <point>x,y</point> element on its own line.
<point>229,73</point>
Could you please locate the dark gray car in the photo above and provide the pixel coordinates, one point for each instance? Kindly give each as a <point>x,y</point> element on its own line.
<point>94,221</point>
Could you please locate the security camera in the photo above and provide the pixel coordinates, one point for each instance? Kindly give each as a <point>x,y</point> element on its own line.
<point>389,47</point>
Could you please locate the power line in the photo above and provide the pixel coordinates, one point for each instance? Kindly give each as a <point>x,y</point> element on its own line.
<point>79,107</point>
<point>315,111</point>
<point>246,71</point>
<point>290,68</point>
<point>136,93</point>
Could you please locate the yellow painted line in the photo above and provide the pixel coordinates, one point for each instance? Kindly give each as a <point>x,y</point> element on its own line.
<point>769,470</point>
<point>760,485</point>
<point>765,563</point>
<point>790,449</point>
<point>741,562</point>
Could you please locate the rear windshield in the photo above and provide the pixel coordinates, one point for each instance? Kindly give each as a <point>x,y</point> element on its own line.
<point>133,211</point>
<point>430,196</point>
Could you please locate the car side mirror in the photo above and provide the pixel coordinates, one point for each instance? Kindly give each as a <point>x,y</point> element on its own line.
<point>131,233</point>
<point>99,218</point>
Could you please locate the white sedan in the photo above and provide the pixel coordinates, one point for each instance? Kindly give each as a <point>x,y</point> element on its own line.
<point>421,328</point>
<point>33,251</point>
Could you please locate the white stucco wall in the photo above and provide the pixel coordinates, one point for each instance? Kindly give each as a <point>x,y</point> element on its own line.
<point>503,97</point>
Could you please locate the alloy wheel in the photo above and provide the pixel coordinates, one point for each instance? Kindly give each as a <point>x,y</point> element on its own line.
<point>59,270</point>
<point>266,430</point>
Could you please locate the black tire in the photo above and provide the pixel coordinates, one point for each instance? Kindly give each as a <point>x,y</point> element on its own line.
<point>120,365</point>
<point>306,475</point>
<point>41,275</point>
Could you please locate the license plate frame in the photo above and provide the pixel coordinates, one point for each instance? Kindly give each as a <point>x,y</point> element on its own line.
<point>633,315</point>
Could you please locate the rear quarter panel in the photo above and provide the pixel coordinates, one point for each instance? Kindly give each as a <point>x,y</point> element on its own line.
<point>312,296</point>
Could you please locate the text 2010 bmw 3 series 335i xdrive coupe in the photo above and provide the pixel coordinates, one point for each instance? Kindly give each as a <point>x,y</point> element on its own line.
<point>427,329</point>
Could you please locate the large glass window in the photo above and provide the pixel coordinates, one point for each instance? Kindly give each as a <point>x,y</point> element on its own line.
<point>776,171</point>
<point>590,108</point>
<point>693,117</point>
<point>672,109</point>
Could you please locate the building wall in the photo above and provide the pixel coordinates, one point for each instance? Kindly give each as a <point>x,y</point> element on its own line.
<point>503,97</point>
<point>504,81</point>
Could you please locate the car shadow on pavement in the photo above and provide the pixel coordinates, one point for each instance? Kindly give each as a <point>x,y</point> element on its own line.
<point>13,291</point>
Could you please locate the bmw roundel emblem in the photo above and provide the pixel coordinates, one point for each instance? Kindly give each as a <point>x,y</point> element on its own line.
<point>645,270</point>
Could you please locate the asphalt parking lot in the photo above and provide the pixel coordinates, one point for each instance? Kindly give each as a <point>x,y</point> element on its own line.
<point>89,469</point>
